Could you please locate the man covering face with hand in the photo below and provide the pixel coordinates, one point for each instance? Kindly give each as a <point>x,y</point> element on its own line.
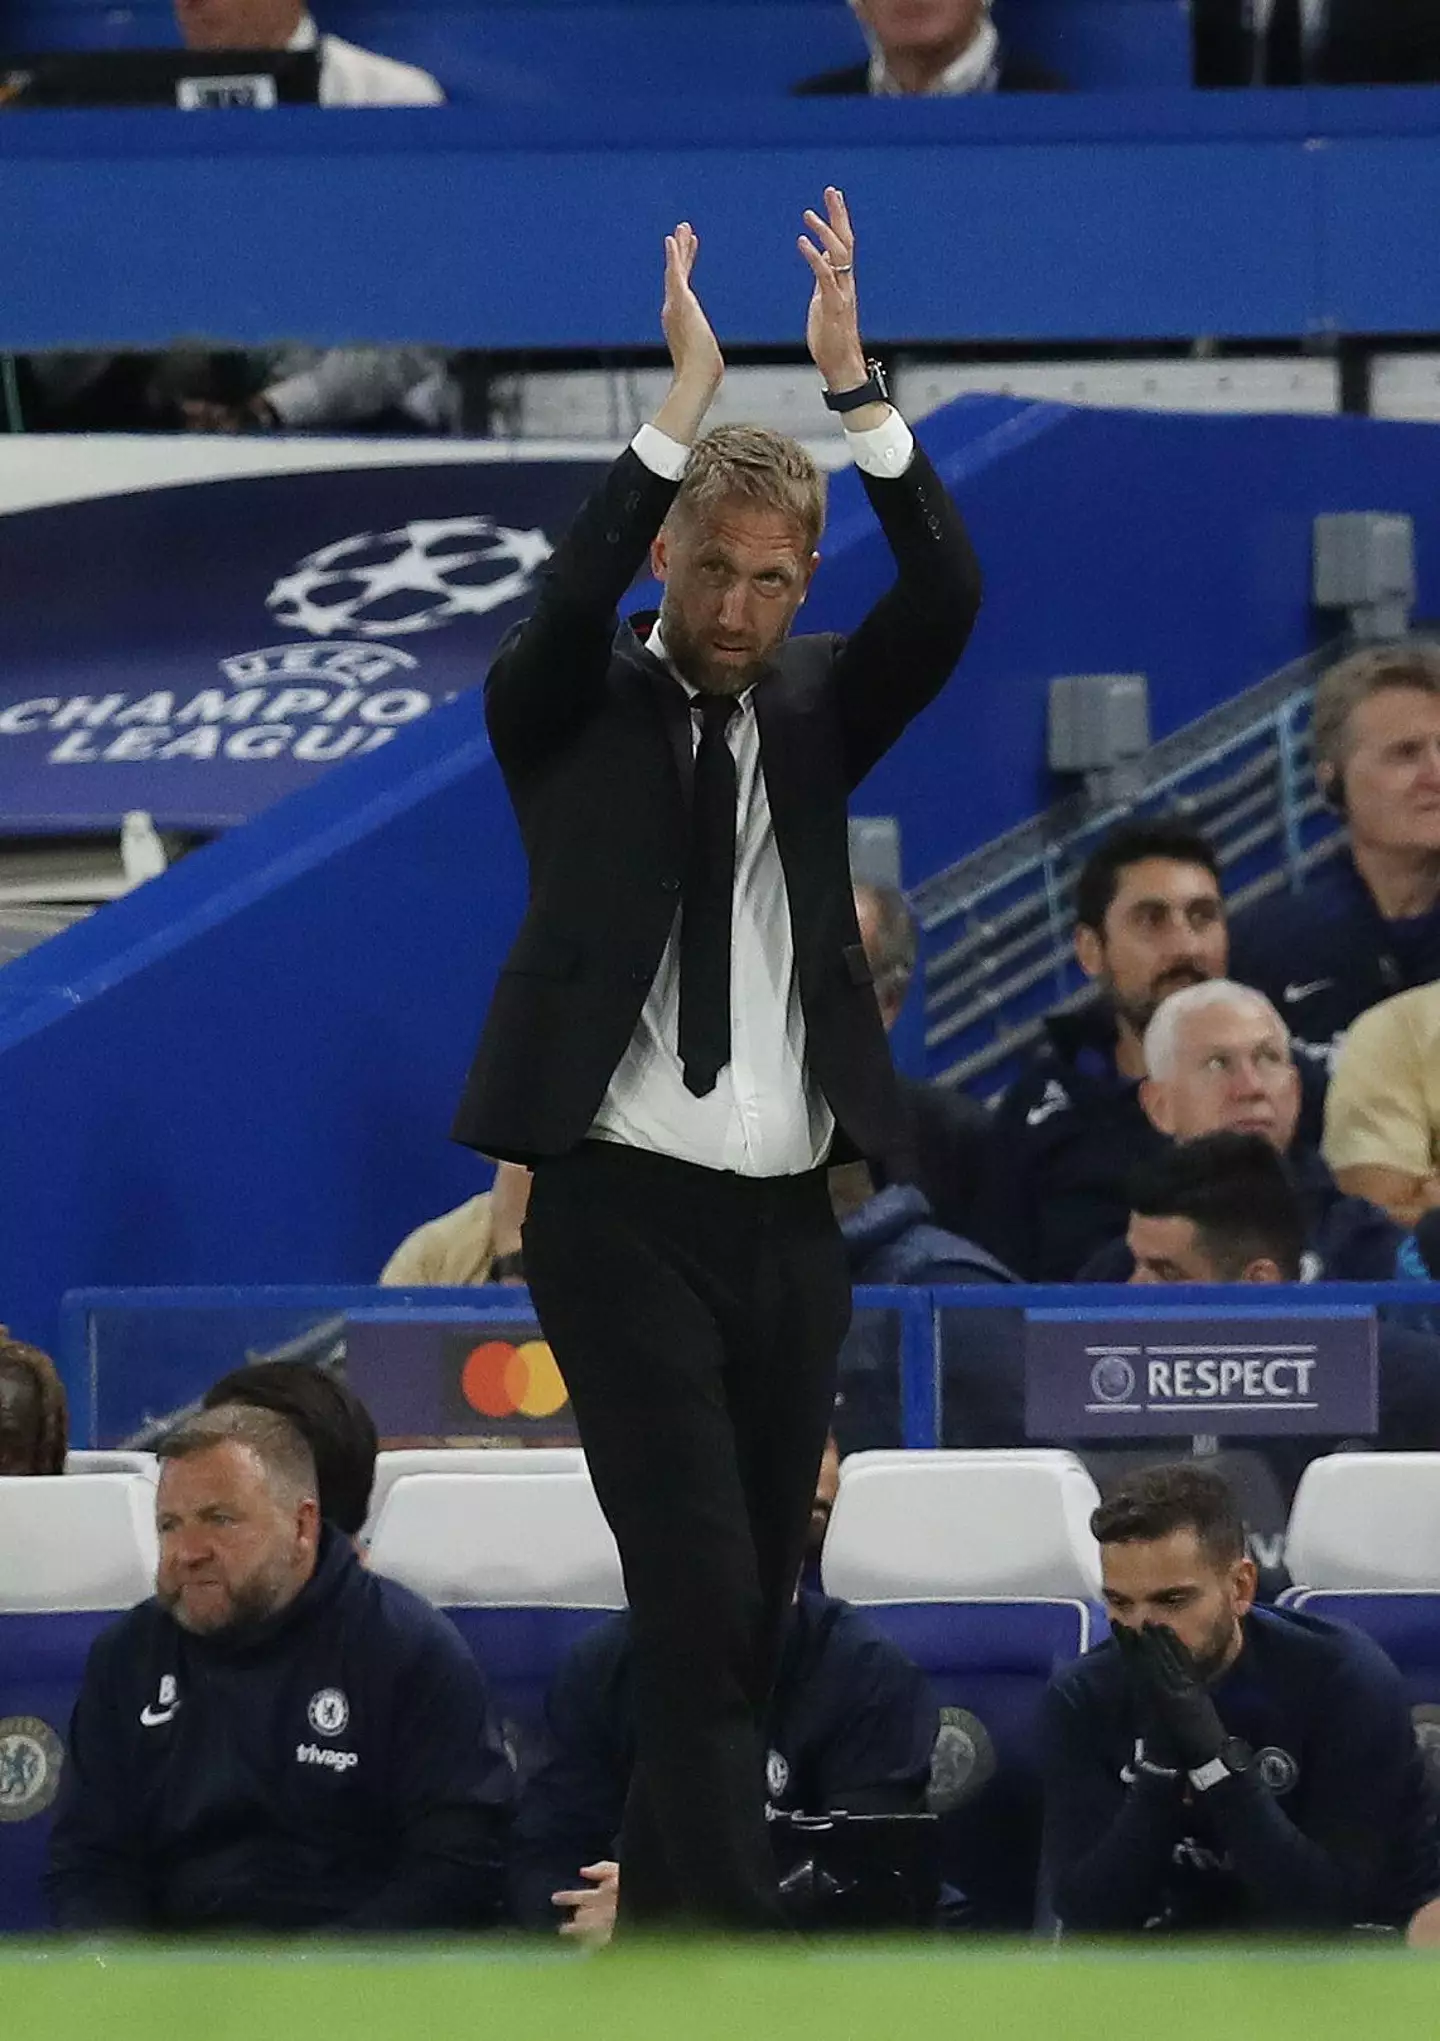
<point>1215,1766</point>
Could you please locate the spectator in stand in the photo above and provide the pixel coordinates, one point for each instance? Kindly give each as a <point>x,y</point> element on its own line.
<point>1382,1111</point>
<point>1149,920</point>
<point>1224,1209</point>
<point>933,49</point>
<point>34,1420</point>
<point>1368,923</point>
<point>348,76</point>
<point>331,1419</point>
<point>891,1236</point>
<point>944,1130</point>
<point>1219,1060</point>
<point>1214,1766</point>
<point>292,389</point>
<point>477,1242</point>
<point>278,1739</point>
<point>312,389</point>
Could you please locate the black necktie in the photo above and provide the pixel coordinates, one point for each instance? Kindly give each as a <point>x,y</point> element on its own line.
<point>1285,45</point>
<point>705,909</point>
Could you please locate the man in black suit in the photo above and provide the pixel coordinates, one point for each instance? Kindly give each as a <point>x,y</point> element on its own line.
<point>686,1028</point>
<point>931,48</point>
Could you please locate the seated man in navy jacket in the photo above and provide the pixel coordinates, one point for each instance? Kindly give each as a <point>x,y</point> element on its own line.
<point>279,1739</point>
<point>851,1725</point>
<point>1217,1766</point>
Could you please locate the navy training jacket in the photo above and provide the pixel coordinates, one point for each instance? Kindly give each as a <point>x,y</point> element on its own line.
<point>336,1766</point>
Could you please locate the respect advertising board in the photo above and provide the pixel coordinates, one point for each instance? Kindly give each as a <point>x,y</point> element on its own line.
<point>1230,1372</point>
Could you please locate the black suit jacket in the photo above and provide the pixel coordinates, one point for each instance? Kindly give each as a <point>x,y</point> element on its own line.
<point>1017,74</point>
<point>593,737</point>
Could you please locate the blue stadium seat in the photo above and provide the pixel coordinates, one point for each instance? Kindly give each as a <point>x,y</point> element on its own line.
<point>520,1650</point>
<point>989,1663</point>
<point>42,1659</point>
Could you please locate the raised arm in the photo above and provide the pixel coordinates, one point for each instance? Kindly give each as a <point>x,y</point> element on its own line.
<point>549,674</point>
<point>906,648</point>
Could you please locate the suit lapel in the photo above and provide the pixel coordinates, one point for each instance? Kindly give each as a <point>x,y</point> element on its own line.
<point>777,761</point>
<point>665,701</point>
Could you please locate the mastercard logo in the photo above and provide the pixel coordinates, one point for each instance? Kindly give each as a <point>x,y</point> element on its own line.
<point>501,1380</point>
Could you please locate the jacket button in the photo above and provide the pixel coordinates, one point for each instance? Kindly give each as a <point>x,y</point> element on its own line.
<point>670,885</point>
<point>639,977</point>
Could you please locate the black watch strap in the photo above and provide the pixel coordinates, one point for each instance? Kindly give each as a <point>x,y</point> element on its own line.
<point>874,390</point>
<point>506,1266</point>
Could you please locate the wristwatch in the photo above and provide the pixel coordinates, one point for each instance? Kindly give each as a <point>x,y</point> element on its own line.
<point>874,390</point>
<point>1235,1756</point>
<point>506,1267</point>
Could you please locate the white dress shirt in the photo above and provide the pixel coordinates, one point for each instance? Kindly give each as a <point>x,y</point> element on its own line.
<point>766,1115</point>
<point>350,76</point>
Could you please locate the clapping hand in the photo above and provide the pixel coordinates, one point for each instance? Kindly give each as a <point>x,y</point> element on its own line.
<point>832,328</point>
<point>694,350</point>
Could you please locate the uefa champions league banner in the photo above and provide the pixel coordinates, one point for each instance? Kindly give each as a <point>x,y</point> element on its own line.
<point>199,647</point>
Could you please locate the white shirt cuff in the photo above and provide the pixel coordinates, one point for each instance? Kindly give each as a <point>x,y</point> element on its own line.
<point>885,450</point>
<point>661,454</point>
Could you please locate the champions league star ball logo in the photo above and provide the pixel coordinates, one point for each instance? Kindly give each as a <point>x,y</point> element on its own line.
<point>418,578</point>
<point>1112,1380</point>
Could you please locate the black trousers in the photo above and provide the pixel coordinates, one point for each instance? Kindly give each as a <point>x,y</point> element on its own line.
<point>696,1317</point>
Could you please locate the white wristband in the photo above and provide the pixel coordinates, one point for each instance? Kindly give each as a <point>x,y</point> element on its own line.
<point>1208,1775</point>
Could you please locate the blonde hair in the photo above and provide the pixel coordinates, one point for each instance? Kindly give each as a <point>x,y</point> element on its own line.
<point>745,463</point>
<point>1374,671</point>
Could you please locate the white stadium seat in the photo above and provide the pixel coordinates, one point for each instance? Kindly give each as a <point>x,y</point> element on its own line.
<point>954,1456</point>
<point>83,1461</point>
<point>528,1541</point>
<point>1366,1520</point>
<point>943,1527</point>
<point>389,1467</point>
<point>68,1544</point>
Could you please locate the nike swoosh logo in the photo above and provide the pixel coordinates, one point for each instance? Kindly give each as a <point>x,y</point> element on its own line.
<point>152,1718</point>
<point>1294,993</point>
<point>1046,1110</point>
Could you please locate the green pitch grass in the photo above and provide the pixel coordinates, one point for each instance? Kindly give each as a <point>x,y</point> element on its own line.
<point>815,1993</point>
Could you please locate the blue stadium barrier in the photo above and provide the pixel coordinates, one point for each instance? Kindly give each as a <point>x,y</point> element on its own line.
<point>1121,216</point>
<point>129,1355</point>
